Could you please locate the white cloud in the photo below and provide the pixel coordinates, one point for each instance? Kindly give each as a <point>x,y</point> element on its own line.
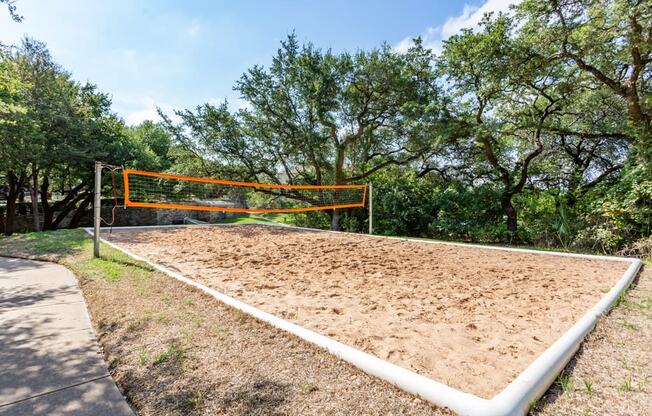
<point>234,103</point>
<point>137,117</point>
<point>136,109</point>
<point>239,104</point>
<point>469,18</point>
<point>403,45</point>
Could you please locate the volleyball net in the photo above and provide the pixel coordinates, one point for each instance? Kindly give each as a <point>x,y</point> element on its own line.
<point>160,190</point>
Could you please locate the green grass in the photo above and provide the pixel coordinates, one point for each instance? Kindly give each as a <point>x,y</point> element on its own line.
<point>285,218</point>
<point>143,357</point>
<point>565,381</point>
<point>627,386</point>
<point>630,326</point>
<point>307,387</point>
<point>54,243</point>
<point>175,354</point>
<point>74,248</point>
<point>241,220</point>
<point>621,300</point>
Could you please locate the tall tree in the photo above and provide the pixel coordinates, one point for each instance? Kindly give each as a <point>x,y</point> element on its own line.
<point>610,42</point>
<point>505,98</point>
<point>49,99</point>
<point>321,118</point>
<point>14,126</point>
<point>52,129</point>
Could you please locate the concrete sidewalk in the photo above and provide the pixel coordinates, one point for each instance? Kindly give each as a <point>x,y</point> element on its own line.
<point>50,363</point>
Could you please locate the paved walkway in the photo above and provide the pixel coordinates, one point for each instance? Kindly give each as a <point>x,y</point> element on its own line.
<point>50,363</point>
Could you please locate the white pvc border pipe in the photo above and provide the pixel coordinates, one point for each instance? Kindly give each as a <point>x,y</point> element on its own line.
<point>514,400</point>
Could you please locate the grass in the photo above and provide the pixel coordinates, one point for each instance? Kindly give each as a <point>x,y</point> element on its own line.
<point>260,219</point>
<point>281,218</point>
<point>241,220</point>
<point>627,385</point>
<point>631,326</point>
<point>192,401</point>
<point>622,299</point>
<point>307,387</point>
<point>47,243</point>
<point>565,381</point>
<point>64,245</point>
<point>533,406</point>
<point>116,270</point>
<point>174,353</point>
<point>143,357</point>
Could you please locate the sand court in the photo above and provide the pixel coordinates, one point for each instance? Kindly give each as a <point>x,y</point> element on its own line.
<point>468,317</point>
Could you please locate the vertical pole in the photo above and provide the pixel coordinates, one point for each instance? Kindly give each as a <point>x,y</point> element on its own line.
<point>96,209</point>
<point>36,220</point>
<point>371,209</point>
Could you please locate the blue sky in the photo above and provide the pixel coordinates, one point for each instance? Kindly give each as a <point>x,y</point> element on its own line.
<point>178,54</point>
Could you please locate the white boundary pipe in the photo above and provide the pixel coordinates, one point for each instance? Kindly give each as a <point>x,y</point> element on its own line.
<point>193,221</point>
<point>514,400</point>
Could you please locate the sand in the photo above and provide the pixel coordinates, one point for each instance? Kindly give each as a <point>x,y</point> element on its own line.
<point>468,317</point>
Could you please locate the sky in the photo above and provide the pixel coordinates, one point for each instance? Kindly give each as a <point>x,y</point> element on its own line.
<point>180,54</point>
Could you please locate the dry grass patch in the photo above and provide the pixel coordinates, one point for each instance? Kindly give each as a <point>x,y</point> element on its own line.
<point>175,351</point>
<point>612,372</point>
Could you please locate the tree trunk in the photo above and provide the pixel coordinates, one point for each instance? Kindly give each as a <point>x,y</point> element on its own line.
<point>48,212</point>
<point>10,215</point>
<point>15,186</point>
<point>36,221</point>
<point>68,208</point>
<point>335,220</point>
<point>339,180</point>
<point>510,212</point>
<point>81,210</point>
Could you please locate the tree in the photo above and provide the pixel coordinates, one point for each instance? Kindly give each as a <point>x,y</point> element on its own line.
<point>153,144</point>
<point>317,117</point>
<point>14,126</point>
<point>610,42</point>
<point>11,7</point>
<point>505,99</point>
<point>54,130</point>
<point>587,147</point>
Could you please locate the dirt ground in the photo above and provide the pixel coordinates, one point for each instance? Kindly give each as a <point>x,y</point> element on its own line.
<point>612,372</point>
<point>471,318</point>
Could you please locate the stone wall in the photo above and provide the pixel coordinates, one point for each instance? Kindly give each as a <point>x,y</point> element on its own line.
<point>133,217</point>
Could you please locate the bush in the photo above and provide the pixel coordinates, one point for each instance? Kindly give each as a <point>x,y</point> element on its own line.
<point>617,215</point>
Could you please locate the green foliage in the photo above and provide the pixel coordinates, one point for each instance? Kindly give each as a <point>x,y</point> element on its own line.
<point>405,204</point>
<point>618,215</point>
<point>316,117</point>
<point>53,129</point>
<point>151,145</point>
<point>565,381</point>
<point>609,43</point>
<point>534,128</point>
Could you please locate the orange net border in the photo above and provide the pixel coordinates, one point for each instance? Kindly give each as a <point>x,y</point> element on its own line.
<point>130,203</point>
